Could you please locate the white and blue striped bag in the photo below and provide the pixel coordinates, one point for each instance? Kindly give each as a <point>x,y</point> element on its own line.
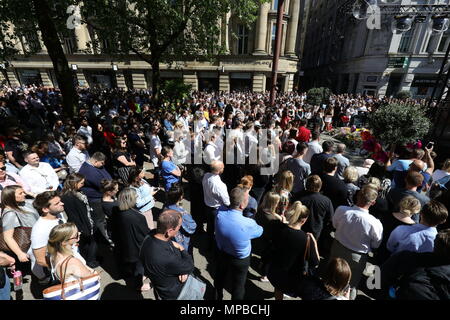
<point>87,288</point>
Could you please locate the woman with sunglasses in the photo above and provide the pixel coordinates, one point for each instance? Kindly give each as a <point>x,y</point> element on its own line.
<point>17,212</point>
<point>62,248</point>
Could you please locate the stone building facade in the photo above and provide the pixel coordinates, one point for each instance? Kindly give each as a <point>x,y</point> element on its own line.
<point>343,54</point>
<point>247,64</point>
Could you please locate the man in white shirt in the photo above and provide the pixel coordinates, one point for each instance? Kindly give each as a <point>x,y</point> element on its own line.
<point>357,233</point>
<point>85,130</point>
<point>51,209</point>
<point>313,147</point>
<point>211,152</point>
<point>78,154</point>
<point>215,195</point>
<point>40,176</point>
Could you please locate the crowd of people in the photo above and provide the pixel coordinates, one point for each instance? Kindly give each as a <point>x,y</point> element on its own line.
<point>259,177</point>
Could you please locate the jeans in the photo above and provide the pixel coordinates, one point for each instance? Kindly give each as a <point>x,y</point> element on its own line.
<point>5,292</point>
<point>238,269</point>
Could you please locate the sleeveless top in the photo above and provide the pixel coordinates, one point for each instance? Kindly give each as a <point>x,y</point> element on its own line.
<point>54,268</point>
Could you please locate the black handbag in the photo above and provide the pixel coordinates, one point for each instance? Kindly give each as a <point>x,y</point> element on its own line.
<point>307,270</point>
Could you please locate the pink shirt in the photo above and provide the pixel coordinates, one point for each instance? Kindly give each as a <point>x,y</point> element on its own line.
<point>18,181</point>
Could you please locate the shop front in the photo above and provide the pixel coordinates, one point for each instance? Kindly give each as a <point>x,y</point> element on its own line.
<point>29,77</point>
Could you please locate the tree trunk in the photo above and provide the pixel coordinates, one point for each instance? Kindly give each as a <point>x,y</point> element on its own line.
<point>156,79</point>
<point>51,40</point>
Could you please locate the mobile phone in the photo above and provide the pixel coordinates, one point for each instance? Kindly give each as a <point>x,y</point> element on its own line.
<point>430,145</point>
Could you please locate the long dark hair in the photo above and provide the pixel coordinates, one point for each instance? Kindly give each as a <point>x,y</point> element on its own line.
<point>133,174</point>
<point>9,198</point>
<point>70,185</point>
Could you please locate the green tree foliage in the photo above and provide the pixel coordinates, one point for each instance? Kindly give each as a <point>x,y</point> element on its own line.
<point>317,96</point>
<point>163,31</point>
<point>31,21</point>
<point>399,123</point>
<point>402,95</point>
<point>175,90</point>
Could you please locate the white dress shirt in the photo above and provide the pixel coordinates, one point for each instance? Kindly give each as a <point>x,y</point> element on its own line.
<point>41,178</point>
<point>357,229</point>
<point>215,191</point>
<point>179,152</point>
<point>211,153</point>
<point>75,158</point>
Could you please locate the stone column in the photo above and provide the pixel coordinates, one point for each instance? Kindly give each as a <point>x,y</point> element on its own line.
<point>190,77</point>
<point>82,37</point>
<point>120,79</point>
<point>41,42</point>
<point>225,35</point>
<point>46,81</point>
<point>407,81</point>
<point>259,82</point>
<point>12,77</point>
<point>82,82</point>
<point>261,29</point>
<point>294,12</point>
<point>139,81</point>
<point>224,82</point>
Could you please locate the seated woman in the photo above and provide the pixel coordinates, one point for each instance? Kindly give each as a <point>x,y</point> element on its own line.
<point>334,285</point>
<point>122,160</point>
<point>64,257</point>
<point>289,252</point>
<point>144,200</point>
<point>17,212</point>
<point>129,228</point>
<point>170,172</point>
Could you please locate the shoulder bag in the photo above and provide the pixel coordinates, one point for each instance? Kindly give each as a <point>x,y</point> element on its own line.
<point>87,288</point>
<point>22,235</point>
<point>307,270</point>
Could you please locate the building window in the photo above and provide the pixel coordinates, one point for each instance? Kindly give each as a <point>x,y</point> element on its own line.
<point>406,40</point>
<point>275,5</point>
<point>242,39</point>
<point>272,42</point>
<point>443,44</point>
<point>69,45</point>
<point>31,42</point>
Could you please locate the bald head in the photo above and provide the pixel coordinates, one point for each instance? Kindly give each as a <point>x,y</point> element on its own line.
<point>417,165</point>
<point>217,167</point>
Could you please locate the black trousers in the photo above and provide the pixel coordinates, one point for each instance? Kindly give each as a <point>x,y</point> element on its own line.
<point>99,218</point>
<point>210,224</point>
<point>238,269</point>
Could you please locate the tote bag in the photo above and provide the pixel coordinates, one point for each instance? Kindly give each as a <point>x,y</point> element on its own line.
<point>87,288</point>
<point>22,235</point>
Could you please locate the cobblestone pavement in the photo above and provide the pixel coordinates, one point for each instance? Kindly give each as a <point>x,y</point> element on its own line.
<point>114,288</point>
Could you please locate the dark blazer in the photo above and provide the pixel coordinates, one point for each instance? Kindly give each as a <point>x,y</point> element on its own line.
<point>77,213</point>
<point>129,228</point>
<point>93,178</point>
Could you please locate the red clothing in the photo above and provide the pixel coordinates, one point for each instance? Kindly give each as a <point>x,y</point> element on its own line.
<point>303,134</point>
<point>284,122</point>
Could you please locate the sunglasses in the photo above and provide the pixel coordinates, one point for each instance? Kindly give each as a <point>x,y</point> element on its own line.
<point>77,237</point>
<point>3,168</point>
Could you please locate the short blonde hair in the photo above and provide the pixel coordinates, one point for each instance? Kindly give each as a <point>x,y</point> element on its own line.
<point>350,175</point>
<point>367,194</point>
<point>409,205</point>
<point>127,199</point>
<point>285,181</point>
<point>375,183</point>
<point>296,212</point>
<point>270,202</point>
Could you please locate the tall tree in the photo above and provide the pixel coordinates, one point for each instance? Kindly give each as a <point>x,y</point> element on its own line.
<point>159,31</point>
<point>40,20</point>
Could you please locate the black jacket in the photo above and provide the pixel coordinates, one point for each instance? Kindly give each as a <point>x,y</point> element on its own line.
<point>431,283</point>
<point>320,212</point>
<point>77,213</point>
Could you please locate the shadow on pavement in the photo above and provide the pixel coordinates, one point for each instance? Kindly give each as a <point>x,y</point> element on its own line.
<point>117,291</point>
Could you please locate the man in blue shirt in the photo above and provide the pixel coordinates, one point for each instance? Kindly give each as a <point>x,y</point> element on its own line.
<point>419,237</point>
<point>234,233</point>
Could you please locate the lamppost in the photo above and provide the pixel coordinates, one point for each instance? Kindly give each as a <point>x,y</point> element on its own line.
<point>114,68</point>
<point>276,52</point>
<point>74,69</point>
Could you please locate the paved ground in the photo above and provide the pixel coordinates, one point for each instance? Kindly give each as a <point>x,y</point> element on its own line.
<point>114,288</point>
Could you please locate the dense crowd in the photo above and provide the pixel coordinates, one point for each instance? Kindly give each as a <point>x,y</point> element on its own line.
<point>259,177</point>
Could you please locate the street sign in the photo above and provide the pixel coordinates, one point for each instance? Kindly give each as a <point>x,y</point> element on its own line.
<point>398,62</point>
